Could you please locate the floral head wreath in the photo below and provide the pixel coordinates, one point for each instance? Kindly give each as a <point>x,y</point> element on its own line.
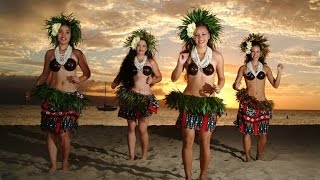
<point>56,22</point>
<point>135,37</point>
<point>196,17</point>
<point>246,45</point>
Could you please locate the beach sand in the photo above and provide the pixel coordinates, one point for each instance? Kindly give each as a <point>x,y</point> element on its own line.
<point>100,152</point>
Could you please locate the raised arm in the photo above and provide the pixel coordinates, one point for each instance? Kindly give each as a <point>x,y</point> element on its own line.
<point>183,57</point>
<point>274,82</point>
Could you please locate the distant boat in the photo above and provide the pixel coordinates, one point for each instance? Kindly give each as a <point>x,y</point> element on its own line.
<point>106,107</point>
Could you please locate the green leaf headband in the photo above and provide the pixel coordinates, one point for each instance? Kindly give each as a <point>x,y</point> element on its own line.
<point>196,17</point>
<point>135,37</point>
<point>54,23</point>
<point>246,44</point>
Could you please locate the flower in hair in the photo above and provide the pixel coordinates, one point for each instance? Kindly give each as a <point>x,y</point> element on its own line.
<point>248,47</point>
<point>253,38</point>
<point>199,16</point>
<point>134,42</point>
<point>135,36</point>
<point>54,23</point>
<point>190,29</point>
<point>55,29</point>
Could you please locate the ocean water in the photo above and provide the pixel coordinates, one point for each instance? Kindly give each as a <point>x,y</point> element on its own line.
<point>30,115</point>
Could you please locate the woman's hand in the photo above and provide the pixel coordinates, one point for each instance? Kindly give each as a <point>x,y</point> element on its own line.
<point>183,57</point>
<point>280,67</point>
<point>216,88</point>
<point>149,80</point>
<point>73,79</point>
<point>114,85</point>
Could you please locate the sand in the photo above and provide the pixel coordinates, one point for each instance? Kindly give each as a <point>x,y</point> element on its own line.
<point>100,152</point>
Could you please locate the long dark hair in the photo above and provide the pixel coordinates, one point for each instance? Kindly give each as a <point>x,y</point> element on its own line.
<point>261,58</point>
<point>128,70</point>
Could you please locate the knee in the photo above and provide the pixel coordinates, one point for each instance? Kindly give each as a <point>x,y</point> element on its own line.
<point>131,130</point>
<point>143,130</point>
<point>188,143</point>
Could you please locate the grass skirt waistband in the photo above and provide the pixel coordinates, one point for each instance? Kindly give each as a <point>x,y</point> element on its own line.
<point>134,105</point>
<point>195,105</point>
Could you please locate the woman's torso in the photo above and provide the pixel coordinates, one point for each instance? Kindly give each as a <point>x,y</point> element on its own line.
<point>200,84</point>
<point>256,85</point>
<point>140,80</point>
<point>59,77</point>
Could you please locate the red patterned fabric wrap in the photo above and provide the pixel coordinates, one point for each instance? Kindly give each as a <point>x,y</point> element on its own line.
<point>253,121</point>
<point>197,122</point>
<point>57,121</point>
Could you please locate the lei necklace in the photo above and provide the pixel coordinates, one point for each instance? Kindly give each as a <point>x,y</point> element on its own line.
<point>139,65</point>
<point>62,58</point>
<point>205,61</point>
<point>250,68</point>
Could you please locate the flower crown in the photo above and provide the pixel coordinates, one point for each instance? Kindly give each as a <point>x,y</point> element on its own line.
<point>246,45</point>
<point>135,37</point>
<point>55,22</point>
<point>196,17</point>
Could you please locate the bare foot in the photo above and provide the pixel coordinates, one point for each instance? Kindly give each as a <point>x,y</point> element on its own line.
<point>259,157</point>
<point>131,158</point>
<point>143,157</point>
<point>248,158</point>
<point>65,166</point>
<point>52,170</point>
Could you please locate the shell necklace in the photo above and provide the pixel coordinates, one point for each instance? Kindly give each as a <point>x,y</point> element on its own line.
<point>250,68</point>
<point>139,65</point>
<point>205,61</point>
<point>62,58</point>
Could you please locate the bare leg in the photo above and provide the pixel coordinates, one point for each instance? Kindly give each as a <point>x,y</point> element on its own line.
<point>261,145</point>
<point>131,138</point>
<point>144,137</point>
<point>52,151</point>
<point>205,152</point>
<point>188,139</point>
<point>65,149</point>
<point>247,146</point>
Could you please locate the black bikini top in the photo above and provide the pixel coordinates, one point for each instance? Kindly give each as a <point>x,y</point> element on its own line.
<point>250,76</point>
<point>70,65</point>
<point>147,70</point>
<point>193,69</point>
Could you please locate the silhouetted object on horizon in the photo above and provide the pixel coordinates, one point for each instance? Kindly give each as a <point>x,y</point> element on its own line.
<point>106,107</point>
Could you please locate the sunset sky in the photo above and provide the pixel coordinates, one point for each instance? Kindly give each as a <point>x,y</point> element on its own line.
<point>292,27</point>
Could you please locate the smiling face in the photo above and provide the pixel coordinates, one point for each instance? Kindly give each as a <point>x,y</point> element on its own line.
<point>64,34</point>
<point>141,47</point>
<point>201,36</point>
<point>255,53</point>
